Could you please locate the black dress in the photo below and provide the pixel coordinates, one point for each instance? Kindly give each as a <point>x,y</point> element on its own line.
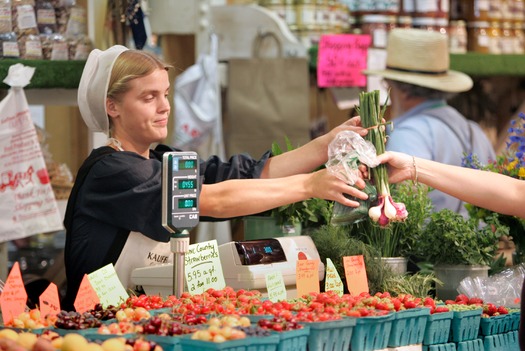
<point>119,192</point>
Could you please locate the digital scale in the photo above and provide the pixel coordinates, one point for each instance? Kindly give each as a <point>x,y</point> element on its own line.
<point>246,263</point>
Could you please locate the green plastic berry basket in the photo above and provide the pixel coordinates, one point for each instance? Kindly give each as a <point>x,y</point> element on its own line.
<point>408,327</point>
<point>168,343</point>
<point>330,335</point>
<point>493,325</point>
<point>514,320</point>
<point>372,332</point>
<point>265,343</point>
<point>437,330</point>
<point>470,345</point>
<point>465,325</point>
<point>294,340</point>
<point>101,337</point>
<point>450,346</point>
<point>83,332</point>
<point>157,311</point>
<point>502,342</point>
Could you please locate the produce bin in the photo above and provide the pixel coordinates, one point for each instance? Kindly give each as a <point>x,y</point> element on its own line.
<point>501,342</point>
<point>408,327</point>
<point>450,346</point>
<point>330,335</point>
<point>372,332</point>
<point>470,345</point>
<point>494,325</point>
<point>437,330</point>
<point>465,325</point>
<point>294,340</point>
<point>168,343</point>
<point>266,343</point>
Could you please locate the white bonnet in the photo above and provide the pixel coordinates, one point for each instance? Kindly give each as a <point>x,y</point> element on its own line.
<point>93,87</point>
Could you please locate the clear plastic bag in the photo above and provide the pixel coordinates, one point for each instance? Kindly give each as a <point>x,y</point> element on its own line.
<point>502,289</point>
<point>345,153</point>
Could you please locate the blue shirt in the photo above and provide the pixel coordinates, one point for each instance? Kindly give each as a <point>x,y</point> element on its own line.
<point>436,131</point>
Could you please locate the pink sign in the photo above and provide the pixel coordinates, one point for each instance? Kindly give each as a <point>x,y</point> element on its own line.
<point>341,58</point>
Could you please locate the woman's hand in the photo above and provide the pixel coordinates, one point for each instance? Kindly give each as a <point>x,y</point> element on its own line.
<point>353,124</point>
<point>400,166</point>
<point>323,184</point>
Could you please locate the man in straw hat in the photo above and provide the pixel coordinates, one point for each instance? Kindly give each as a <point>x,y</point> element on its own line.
<point>417,72</point>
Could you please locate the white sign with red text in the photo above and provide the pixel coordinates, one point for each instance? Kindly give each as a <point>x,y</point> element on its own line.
<point>27,201</point>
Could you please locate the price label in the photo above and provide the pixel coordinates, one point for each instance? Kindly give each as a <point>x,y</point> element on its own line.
<point>106,283</point>
<point>333,281</point>
<point>307,277</point>
<point>203,268</point>
<point>355,272</point>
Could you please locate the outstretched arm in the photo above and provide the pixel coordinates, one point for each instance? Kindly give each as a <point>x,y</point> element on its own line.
<point>241,197</point>
<point>493,191</point>
<point>308,157</point>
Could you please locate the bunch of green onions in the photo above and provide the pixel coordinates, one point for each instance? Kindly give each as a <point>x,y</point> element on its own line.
<point>371,112</point>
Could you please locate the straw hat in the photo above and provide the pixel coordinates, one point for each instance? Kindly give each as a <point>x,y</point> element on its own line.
<point>93,87</point>
<point>421,58</point>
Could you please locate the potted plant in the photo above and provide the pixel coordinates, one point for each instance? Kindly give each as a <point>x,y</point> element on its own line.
<point>395,241</point>
<point>457,247</point>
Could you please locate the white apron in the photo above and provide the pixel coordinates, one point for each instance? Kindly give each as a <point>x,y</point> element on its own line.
<point>140,251</point>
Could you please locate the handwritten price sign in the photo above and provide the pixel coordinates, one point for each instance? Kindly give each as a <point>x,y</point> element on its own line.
<point>49,302</point>
<point>307,277</point>
<point>14,296</point>
<point>333,280</point>
<point>87,297</point>
<point>275,286</point>
<point>355,272</point>
<point>203,267</point>
<point>341,58</point>
<point>106,283</point>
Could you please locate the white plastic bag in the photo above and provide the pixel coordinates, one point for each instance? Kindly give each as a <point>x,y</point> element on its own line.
<point>27,201</point>
<point>197,106</point>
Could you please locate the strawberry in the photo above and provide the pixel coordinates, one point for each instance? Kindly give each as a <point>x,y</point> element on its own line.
<point>440,309</point>
<point>475,301</point>
<point>503,310</point>
<point>490,309</point>
<point>429,302</point>
<point>462,298</point>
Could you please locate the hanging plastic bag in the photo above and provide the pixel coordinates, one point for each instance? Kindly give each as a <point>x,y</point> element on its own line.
<point>197,106</point>
<point>345,153</point>
<point>27,201</point>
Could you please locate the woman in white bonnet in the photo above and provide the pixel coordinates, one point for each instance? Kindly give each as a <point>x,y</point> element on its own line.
<point>114,212</point>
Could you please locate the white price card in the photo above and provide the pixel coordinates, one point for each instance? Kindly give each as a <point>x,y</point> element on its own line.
<point>203,268</point>
<point>108,287</point>
<point>275,286</point>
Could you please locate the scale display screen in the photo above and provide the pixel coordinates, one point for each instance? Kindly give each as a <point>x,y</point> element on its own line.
<point>187,183</point>
<point>187,203</point>
<point>187,164</point>
<point>262,251</point>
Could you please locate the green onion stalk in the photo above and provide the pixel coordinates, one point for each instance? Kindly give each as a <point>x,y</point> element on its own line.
<point>372,113</point>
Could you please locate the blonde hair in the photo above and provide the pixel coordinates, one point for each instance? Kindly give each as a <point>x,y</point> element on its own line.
<point>131,64</point>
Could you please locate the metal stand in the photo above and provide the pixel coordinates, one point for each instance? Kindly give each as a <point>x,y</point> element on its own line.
<point>179,242</point>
